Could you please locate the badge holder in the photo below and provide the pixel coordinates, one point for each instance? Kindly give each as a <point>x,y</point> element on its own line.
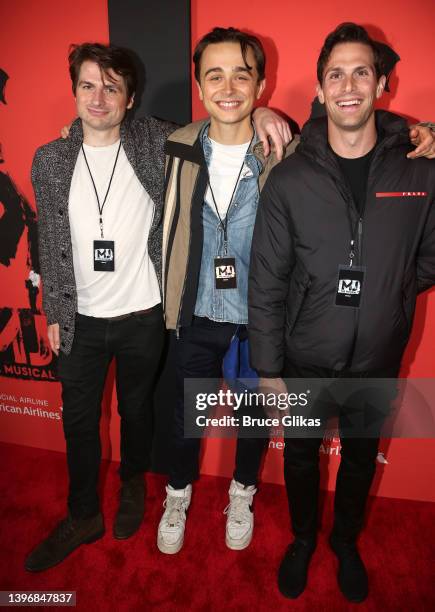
<point>225,273</point>
<point>104,255</point>
<point>349,286</point>
<point>350,282</point>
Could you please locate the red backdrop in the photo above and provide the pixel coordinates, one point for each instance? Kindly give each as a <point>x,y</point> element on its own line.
<point>33,52</point>
<point>33,49</point>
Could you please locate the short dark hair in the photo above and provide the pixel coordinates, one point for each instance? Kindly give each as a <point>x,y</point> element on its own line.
<point>220,35</point>
<point>344,33</point>
<point>107,57</point>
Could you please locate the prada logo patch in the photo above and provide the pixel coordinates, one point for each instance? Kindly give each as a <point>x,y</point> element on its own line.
<point>401,194</point>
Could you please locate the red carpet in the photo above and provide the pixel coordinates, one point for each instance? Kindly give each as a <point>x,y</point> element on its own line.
<point>133,575</point>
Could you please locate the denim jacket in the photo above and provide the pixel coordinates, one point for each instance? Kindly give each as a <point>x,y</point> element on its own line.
<point>229,305</point>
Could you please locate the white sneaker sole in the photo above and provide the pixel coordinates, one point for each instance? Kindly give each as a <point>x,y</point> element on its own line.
<point>238,544</point>
<point>169,549</point>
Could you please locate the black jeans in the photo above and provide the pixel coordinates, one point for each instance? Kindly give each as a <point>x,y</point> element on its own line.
<point>354,477</point>
<point>136,344</point>
<point>200,350</point>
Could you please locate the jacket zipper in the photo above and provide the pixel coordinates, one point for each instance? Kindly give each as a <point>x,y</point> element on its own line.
<point>177,327</point>
<point>356,328</point>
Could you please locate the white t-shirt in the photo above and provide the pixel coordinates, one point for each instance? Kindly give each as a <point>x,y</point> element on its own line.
<point>223,171</point>
<point>127,218</point>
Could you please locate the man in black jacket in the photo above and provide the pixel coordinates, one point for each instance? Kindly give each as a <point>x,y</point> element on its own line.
<point>344,241</point>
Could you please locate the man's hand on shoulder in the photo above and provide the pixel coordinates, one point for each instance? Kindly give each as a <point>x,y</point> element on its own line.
<point>54,337</point>
<point>64,132</point>
<point>423,138</point>
<point>269,125</point>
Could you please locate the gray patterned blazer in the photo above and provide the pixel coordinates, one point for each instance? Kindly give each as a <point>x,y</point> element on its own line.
<point>52,170</point>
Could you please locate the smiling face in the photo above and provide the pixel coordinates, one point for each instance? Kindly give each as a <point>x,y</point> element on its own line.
<point>350,86</point>
<point>101,104</point>
<point>227,88</point>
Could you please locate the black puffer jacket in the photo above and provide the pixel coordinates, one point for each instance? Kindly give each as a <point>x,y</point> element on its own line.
<point>302,235</point>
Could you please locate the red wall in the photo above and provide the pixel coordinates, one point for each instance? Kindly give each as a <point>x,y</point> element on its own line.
<point>33,51</point>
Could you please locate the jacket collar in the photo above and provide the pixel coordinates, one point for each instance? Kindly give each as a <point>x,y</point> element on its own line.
<point>76,133</point>
<point>72,146</point>
<point>392,131</point>
<point>186,144</point>
<point>251,158</point>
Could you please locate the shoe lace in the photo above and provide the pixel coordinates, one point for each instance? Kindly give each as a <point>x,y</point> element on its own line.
<point>175,510</point>
<point>238,509</point>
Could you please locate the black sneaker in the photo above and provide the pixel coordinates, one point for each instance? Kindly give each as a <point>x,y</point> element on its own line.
<point>293,571</point>
<point>131,508</point>
<point>352,574</point>
<point>68,535</point>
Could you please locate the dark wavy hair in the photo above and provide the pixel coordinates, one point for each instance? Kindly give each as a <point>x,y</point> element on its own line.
<point>107,57</point>
<point>344,33</point>
<point>220,35</point>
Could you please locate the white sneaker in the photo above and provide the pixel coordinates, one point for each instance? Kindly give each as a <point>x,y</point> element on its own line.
<point>170,534</point>
<point>240,518</point>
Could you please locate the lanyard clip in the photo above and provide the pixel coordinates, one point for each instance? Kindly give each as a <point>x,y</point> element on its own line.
<point>101,227</point>
<point>351,253</point>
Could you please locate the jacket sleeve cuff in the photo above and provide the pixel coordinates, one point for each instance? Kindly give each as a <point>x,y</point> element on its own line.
<point>429,124</point>
<point>50,315</point>
<point>51,320</point>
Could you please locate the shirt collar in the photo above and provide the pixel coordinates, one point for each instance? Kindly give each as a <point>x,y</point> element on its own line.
<point>250,159</point>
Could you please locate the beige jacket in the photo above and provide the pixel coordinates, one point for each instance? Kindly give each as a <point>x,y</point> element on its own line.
<point>185,187</point>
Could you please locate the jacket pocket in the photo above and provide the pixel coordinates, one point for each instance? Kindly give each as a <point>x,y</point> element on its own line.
<point>299,284</point>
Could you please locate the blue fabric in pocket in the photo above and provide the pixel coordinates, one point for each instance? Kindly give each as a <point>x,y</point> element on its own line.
<point>236,361</point>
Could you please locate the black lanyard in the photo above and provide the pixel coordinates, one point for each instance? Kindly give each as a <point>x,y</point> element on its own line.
<point>101,206</point>
<point>356,227</point>
<point>224,222</point>
<point>354,230</point>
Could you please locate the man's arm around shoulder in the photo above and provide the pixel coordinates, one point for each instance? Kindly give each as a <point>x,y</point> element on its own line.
<point>153,127</point>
